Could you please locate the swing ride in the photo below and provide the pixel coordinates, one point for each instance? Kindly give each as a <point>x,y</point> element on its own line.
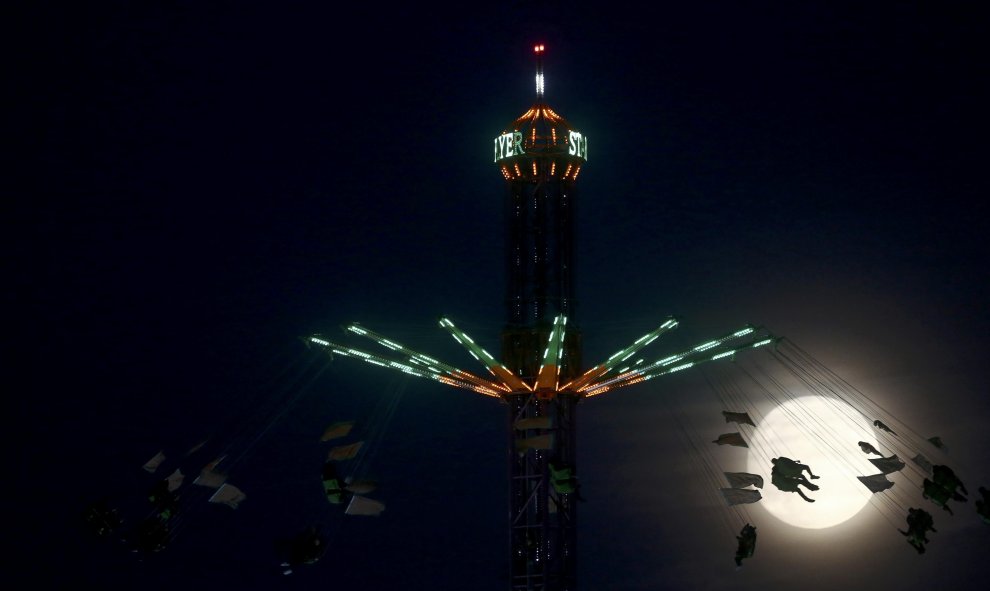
<point>809,437</point>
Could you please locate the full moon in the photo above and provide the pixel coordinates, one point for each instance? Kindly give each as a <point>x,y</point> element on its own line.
<point>812,431</point>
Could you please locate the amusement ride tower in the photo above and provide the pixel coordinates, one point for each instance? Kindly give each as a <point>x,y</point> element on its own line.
<point>540,156</point>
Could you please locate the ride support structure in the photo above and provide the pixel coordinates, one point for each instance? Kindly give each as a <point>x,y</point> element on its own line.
<point>540,156</point>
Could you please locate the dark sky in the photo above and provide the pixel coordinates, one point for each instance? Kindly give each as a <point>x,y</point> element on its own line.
<point>206,182</point>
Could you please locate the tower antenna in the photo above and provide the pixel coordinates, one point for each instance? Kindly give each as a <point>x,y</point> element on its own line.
<point>538,50</point>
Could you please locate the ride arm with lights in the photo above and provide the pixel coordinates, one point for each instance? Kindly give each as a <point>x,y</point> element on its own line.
<point>456,378</point>
<point>510,381</point>
<point>710,351</point>
<point>617,358</point>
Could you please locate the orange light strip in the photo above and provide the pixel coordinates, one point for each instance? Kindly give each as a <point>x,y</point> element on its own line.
<point>466,386</point>
<point>605,389</point>
<point>480,382</point>
<point>592,374</point>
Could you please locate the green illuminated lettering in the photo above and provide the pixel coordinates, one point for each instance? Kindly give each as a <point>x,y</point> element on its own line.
<point>577,145</point>
<point>508,144</point>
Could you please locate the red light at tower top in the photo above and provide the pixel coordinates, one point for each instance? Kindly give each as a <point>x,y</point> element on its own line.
<point>538,48</point>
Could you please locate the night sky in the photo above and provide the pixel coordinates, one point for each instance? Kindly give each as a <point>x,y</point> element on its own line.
<point>203,183</point>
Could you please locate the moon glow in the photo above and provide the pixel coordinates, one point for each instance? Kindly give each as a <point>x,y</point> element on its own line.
<point>826,440</point>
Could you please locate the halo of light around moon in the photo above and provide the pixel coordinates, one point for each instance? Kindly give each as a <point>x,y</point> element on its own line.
<point>813,431</point>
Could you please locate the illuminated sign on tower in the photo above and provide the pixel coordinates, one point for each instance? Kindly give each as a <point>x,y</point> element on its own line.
<point>540,140</point>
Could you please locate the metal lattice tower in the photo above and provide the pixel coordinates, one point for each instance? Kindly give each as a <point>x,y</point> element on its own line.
<point>540,380</point>
<point>540,155</point>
